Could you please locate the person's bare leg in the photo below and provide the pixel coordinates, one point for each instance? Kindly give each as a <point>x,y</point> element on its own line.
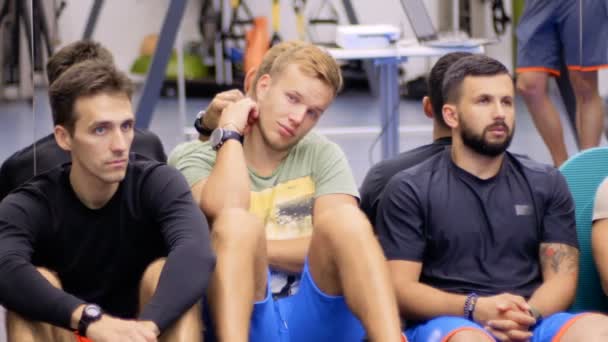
<point>589,108</point>
<point>470,335</point>
<point>532,85</point>
<point>19,329</point>
<point>239,279</point>
<point>589,328</point>
<point>189,327</point>
<point>345,259</point>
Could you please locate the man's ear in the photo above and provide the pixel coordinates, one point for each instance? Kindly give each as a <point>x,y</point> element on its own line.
<point>247,84</point>
<point>63,137</point>
<point>427,107</point>
<point>450,115</point>
<point>262,86</point>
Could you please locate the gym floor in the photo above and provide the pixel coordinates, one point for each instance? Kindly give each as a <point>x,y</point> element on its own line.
<point>352,121</point>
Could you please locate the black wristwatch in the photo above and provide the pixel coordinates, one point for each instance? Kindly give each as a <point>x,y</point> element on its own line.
<point>220,135</point>
<point>91,313</point>
<point>199,125</point>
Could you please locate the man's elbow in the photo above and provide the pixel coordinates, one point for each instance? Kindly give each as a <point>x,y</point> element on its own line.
<point>569,286</point>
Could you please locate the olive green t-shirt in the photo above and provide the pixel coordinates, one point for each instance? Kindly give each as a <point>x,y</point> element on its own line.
<point>314,167</point>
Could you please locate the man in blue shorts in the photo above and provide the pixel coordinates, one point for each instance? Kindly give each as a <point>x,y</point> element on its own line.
<point>309,268</point>
<point>576,31</point>
<point>482,243</point>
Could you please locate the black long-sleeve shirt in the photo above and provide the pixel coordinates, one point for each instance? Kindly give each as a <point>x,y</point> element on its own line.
<point>100,255</point>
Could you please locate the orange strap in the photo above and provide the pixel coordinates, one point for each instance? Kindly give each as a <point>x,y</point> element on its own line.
<point>81,338</point>
<point>587,68</point>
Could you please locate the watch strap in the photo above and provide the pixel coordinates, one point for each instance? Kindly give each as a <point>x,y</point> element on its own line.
<point>86,319</point>
<point>228,135</point>
<point>199,124</point>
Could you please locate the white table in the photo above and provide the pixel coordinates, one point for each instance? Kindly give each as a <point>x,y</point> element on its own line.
<point>387,60</point>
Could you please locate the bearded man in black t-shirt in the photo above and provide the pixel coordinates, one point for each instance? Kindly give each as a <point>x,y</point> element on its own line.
<point>112,245</point>
<point>482,243</point>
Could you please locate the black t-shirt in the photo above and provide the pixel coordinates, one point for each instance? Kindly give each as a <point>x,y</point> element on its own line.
<point>378,176</point>
<point>475,235</point>
<point>100,255</point>
<point>19,167</point>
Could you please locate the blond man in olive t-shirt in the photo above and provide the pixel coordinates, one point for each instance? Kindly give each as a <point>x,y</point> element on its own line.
<point>310,268</point>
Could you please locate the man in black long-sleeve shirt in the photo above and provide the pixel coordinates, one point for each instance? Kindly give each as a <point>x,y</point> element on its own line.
<point>98,224</point>
<point>44,154</point>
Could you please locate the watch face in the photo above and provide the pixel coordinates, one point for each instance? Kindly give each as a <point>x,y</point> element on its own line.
<point>92,310</point>
<point>216,137</point>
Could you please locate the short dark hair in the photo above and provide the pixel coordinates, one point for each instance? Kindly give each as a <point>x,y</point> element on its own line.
<point>435,82</point>
<point>73,53</point>
<point>91,77</point>
<point>475,65</point>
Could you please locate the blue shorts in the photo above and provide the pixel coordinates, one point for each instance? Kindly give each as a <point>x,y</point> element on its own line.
<point>308,315</point>
<point>550,30</point>
<point>442,328</point>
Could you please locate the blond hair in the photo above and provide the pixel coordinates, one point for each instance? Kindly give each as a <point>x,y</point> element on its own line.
<point>269,58</point>
<point>312,61</point>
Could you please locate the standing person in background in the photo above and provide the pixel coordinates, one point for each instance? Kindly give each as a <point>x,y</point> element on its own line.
<point>576,30</point>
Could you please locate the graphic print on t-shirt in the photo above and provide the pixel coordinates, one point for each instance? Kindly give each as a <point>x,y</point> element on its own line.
<point>286,210</point>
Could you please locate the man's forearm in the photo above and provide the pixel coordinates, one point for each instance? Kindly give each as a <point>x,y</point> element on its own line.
<point>554,295</point>
<point>228,184</point>
<point>418,301</point>
<point>24,290</point>
<point>288,255</point>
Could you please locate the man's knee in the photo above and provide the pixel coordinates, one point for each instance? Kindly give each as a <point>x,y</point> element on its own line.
<point>584,85</point>
<point>152,273</point>
<point>531,85</point>
<point>588,327</point>
<point>233,225</point>
<point>343,220</point>
<point>470,335</point>
<point>151,276</point>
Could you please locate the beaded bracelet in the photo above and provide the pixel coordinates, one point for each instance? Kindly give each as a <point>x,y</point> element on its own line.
<point>469,305</point>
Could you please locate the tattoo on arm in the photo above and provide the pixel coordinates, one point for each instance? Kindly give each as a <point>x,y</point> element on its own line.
<point>559,257</point>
